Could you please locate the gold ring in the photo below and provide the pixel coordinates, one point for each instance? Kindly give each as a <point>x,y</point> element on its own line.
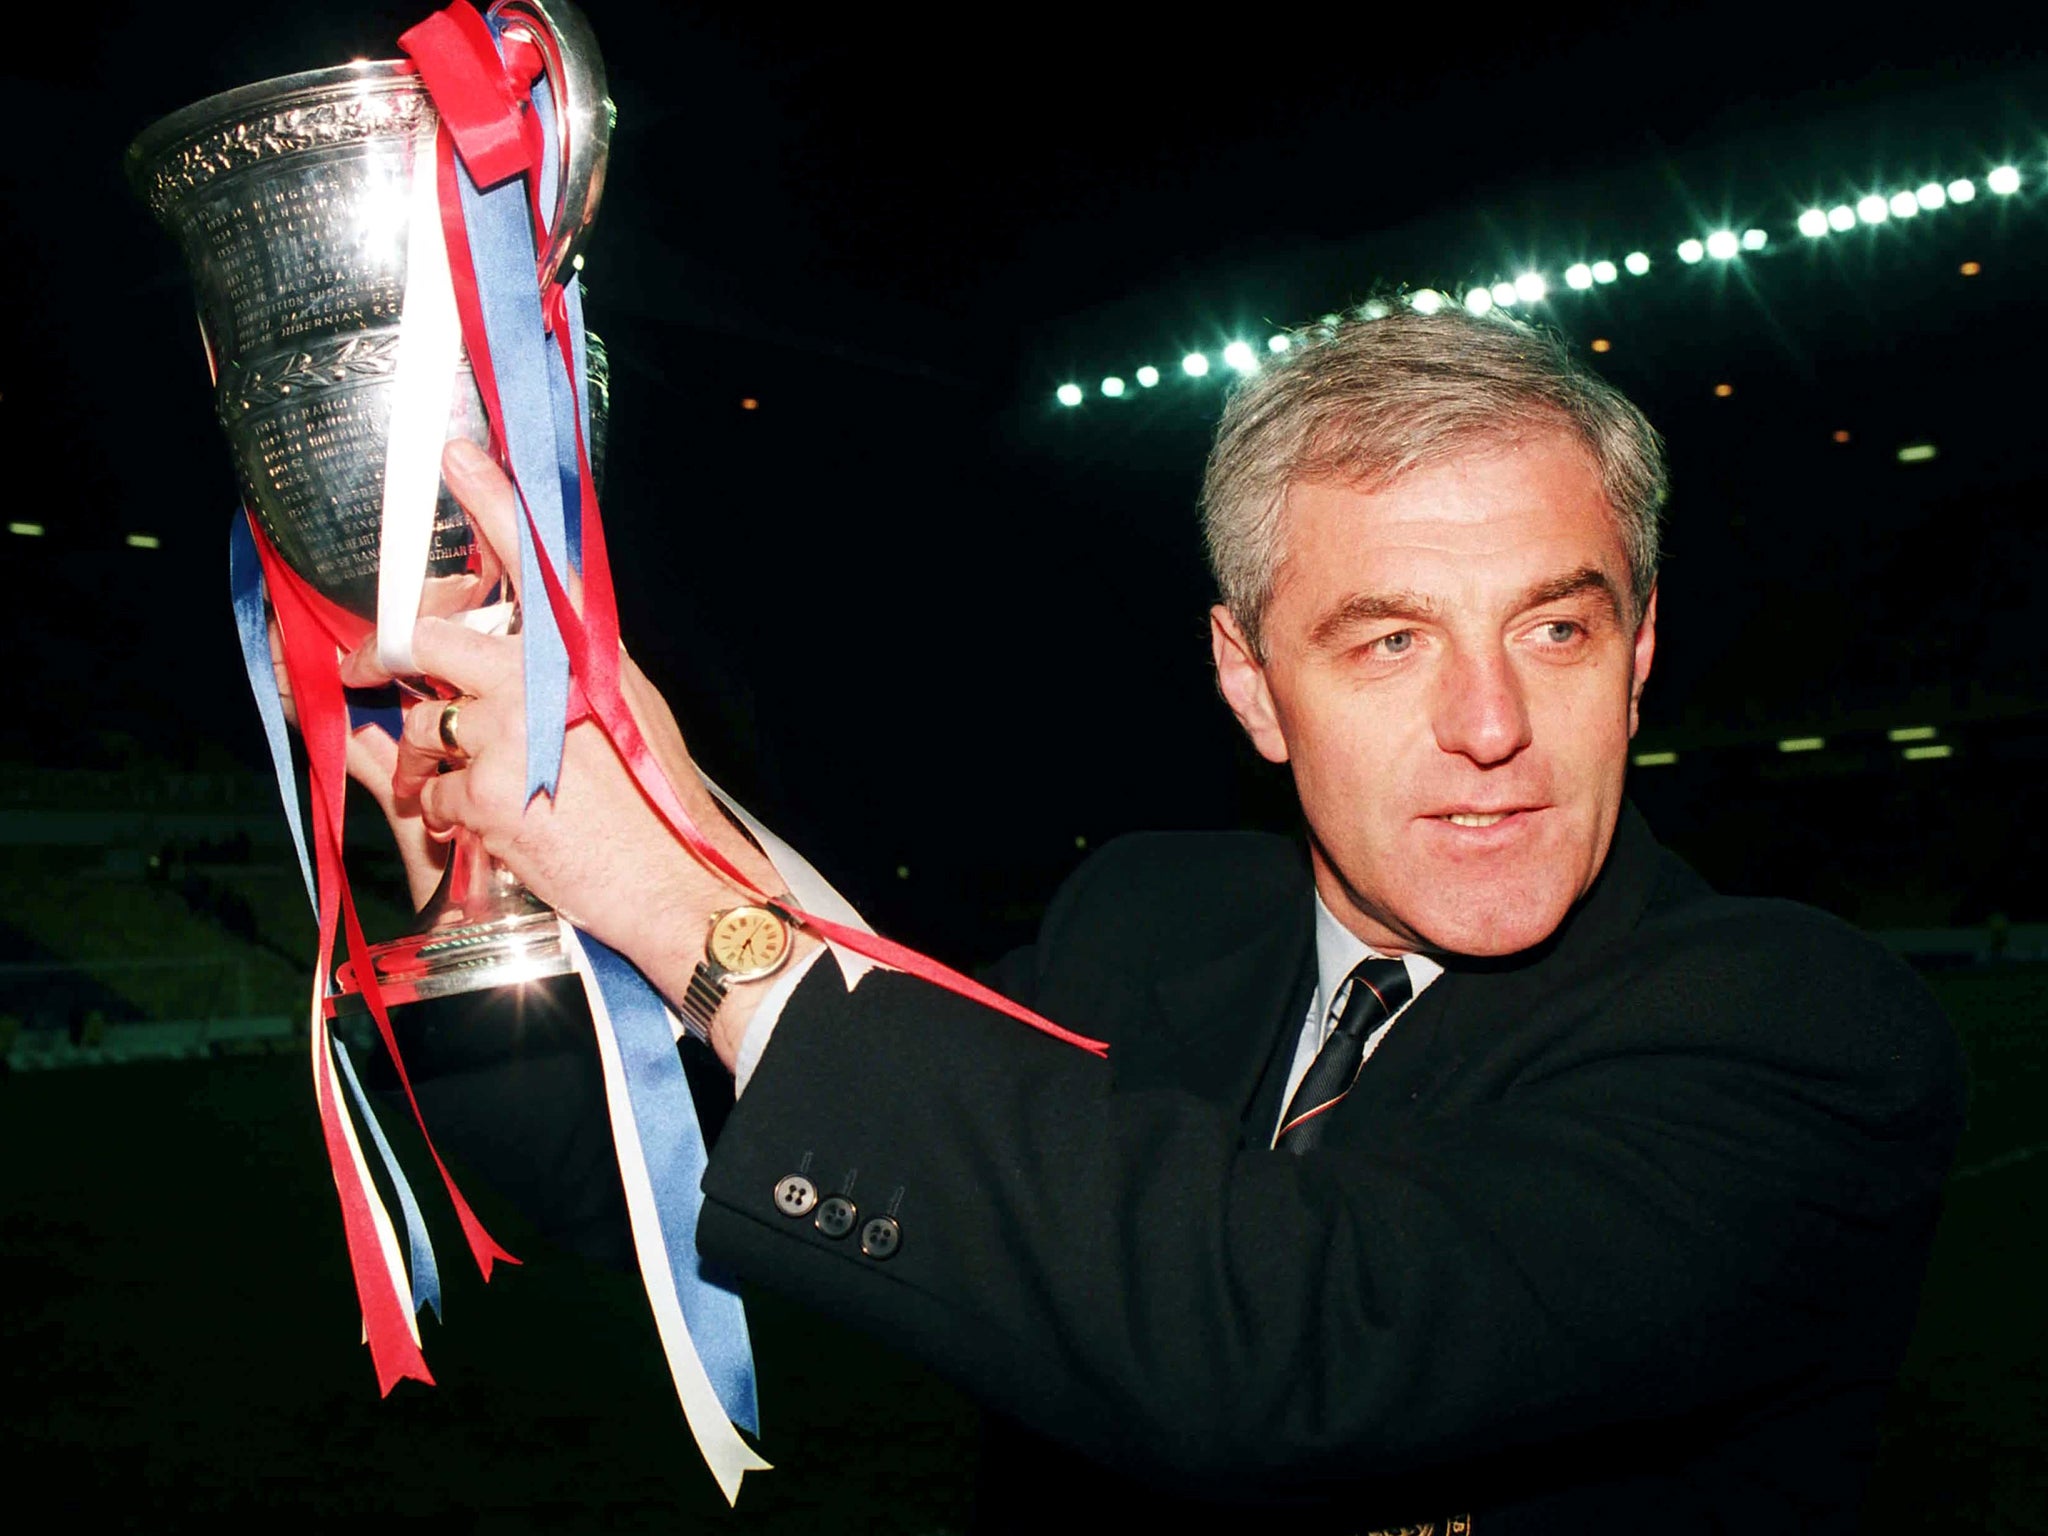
<point>449,739</point>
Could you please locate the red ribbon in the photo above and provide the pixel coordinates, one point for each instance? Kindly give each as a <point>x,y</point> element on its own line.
<point>314,631</point>
<point>454,52</point>
<point>474,91</point>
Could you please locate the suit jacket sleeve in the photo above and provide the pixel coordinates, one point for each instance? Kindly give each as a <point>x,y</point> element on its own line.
<point>1752,1121</point>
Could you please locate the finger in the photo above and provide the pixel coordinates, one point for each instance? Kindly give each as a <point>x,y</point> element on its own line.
<point>465,660</point>
<point>486,494</point>
<point>360,668</point>
<point>372,760</point>
<point>423,747</point>
<point>444,801</point>
<point>446,595</point>
<point>494,510</point>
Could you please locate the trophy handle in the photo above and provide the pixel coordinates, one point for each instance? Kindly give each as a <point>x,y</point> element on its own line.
<point>583,116</point>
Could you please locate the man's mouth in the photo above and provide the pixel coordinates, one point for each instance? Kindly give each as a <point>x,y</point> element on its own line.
<point>1477,818</point>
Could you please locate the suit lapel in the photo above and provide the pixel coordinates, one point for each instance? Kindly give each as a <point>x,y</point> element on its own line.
<point>1223,1016</point>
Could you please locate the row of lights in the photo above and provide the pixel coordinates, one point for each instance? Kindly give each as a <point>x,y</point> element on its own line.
<point>1877,208</point>
<point>1916,742</point>
<point>1533,287</point>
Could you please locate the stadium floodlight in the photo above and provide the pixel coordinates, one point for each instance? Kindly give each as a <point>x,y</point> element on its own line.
<point>1069,394</point>
<point>1479,301</point>
<point>1841,217</point>
<point>1278,344</point>
<point>1531,287</point>
<point>1755,239</point>
<point>1194,365</point>
<point>1814,223</point>
<point>144,541</point>
<point>1904,205</point>
<point>26,530</point>
<point>1930,196</point>
<point>2004,181</point>
<point>1113,387</point>
<point>1962,190</point>
<point>1723,244</point>
<point>1637,262</point>
<point>1900,733</point>
<point>1802,744</point>
<point>1239,355</point>
<point>1578,275</point>
<point>1690,251</point>
<point>1426,301</point>
<point>1504,294</point>
<point>1655,759</point>
<point>1917,453</point>
<point>1872,209</point>
<point>1934,753</point>
<point>1148,376</point>
<point>1604,272</point>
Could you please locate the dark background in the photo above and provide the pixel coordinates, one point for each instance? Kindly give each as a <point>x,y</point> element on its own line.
<point>941,631</point>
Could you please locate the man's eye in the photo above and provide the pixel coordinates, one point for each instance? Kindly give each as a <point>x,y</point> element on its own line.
<point>1397,644</point>
<point>1560,631</point>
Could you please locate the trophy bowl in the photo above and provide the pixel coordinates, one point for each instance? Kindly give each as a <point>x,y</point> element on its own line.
<point>289,201</point>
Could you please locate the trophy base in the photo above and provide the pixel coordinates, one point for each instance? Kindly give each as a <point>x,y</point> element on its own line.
<point>471,957</point>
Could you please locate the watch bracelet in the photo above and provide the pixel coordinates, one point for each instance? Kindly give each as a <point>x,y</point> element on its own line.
<point>701,1000</point>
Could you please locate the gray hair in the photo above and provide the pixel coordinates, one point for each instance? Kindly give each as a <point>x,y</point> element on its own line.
<point>1362,402</point>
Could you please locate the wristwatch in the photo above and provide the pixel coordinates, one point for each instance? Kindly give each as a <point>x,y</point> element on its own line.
<point>745,944</point>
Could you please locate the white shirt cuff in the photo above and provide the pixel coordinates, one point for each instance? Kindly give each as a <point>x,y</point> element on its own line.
<point>761,1027</point>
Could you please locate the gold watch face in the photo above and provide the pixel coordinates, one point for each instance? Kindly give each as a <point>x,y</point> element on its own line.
<point>748,942</point>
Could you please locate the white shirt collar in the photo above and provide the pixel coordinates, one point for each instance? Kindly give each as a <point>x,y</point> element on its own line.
<point>1338,951</point>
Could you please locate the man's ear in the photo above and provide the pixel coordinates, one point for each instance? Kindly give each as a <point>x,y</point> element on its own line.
<point>1242,681</point>
<point>1646,651</point>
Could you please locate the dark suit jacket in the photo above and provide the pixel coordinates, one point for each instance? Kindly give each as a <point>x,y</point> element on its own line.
<point>1623,1234</point>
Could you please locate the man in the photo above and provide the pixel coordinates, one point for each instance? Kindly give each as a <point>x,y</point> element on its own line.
<point>1621,1221</point>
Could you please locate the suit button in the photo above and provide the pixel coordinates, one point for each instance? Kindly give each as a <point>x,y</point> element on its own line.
<point>795,1195</point>
<point>835,1216</point>
<point>880,1238</point>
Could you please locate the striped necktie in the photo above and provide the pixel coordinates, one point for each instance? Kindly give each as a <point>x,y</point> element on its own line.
<point>1374,992</point>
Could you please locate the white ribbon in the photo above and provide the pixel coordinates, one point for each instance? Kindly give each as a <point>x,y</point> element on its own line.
<point>813,892</point>
<point>422,388</point>
<point>728,1456</point>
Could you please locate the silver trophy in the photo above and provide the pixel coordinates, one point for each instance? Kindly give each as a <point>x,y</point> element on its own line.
<point>288,199</point>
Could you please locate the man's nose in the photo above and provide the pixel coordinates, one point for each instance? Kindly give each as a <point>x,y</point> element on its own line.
<point>1481,711</point>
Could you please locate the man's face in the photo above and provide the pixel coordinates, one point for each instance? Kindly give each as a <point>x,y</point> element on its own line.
<point>1452,676</point>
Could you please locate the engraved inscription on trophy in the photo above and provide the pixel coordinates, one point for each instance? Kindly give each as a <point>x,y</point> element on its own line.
<point>302,253</point>
<point>307,429</point>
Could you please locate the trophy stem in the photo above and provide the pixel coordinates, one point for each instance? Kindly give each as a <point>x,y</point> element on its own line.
<point>475,888</point>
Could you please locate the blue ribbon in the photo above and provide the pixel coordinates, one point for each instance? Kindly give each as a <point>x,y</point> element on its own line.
<point>541,405</point>
<point>245,582</point>
<point>500,227</point>
<point>426,1275</point>
<point>673,1145</point>
<point>563,395</point>
<point>568,396</point>
<point>572,303</point>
